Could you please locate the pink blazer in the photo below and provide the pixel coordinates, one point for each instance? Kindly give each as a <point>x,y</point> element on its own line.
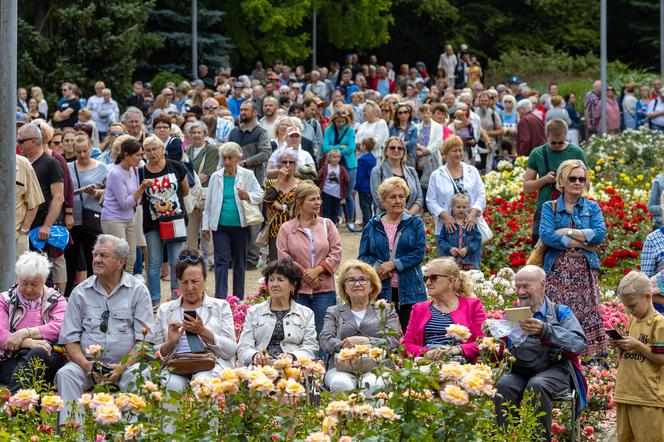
<point>469,313</point>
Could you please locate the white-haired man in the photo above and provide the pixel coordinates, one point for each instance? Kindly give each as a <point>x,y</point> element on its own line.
<point>530,129</point>
<point>547,361</point>
<point>111,310</point>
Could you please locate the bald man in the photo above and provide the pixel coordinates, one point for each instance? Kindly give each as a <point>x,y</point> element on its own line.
<point>547,362</point>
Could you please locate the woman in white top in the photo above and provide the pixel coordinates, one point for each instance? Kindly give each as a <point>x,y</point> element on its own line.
<point>452,178</point>
<point>373,127</point>
<point>447,62</point>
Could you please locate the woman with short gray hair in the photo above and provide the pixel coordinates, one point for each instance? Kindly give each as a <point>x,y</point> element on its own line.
<point>224,219</point>
<point>31,316</point>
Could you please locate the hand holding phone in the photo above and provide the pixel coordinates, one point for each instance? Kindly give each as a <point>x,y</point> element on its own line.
<point>614,334</point>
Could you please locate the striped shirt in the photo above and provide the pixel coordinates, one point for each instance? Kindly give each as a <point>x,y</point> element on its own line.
<point>435,332</point>
<point>652,255</point>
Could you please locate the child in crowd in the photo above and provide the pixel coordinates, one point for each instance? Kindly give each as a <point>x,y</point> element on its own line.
<point>462,244</point>
<point>639,392</point>
<point>333,182</point>
<point>506,152</point>
<point>365,165</point>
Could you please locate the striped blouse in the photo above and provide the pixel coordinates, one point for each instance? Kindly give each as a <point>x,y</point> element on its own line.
<point>435,332</point>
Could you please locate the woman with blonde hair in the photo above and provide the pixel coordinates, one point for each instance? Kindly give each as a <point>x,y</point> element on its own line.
<point>314,245</point>
<point>37,93</point>
<point>373,127</point>
<point>395,243</point>
<point>358,321</point>
<point>109,150</point>
<point>452,302</point>
<point>572,229</point>
<point>394,164</point>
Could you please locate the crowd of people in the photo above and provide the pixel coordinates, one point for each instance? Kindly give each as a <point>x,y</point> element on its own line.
<point>234,173</point>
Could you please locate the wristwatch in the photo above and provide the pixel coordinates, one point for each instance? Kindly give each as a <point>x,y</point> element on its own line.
<point>570,232</point>
<point>23,231</point>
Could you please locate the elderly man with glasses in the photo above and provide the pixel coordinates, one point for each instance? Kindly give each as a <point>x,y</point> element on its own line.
<point>110,312</point>
<point>543,162</point>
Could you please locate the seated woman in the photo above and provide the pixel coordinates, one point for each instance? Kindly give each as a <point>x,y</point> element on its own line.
<point>452,302</point>
<point>357,322</point>
<point>31,315</point>
<point>194,321</point>
<point>279,326</point>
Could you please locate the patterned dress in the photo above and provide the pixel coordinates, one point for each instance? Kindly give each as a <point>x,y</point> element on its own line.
<point>272,194</point>
<point>573,283</point>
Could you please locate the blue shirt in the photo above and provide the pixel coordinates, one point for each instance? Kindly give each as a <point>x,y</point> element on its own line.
<point>587,217</point>
<point>652,255</point>
<point>234,106</point>
<point>365,165</point>
<point>229,217</point>
<point>435,330</point>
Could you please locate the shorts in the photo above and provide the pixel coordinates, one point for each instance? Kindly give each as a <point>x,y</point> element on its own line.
<point>639,423</point>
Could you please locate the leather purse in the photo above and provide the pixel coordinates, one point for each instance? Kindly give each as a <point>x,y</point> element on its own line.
<point>536,257</point>
<point>185,364</point>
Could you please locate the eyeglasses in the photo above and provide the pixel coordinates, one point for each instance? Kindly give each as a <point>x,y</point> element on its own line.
<point>56,143</point>
<point>210,107</point>
<point>557,143</point>
<point>162,126</point>
<point>227,157</point>
<point>396,148</point>
<point>433,278</point>
<point>189,257</point>
<point>104,323</point>
<point>20,142</point>
<point>287,162</point>
<point>362,281</point>
<point>576,179</point>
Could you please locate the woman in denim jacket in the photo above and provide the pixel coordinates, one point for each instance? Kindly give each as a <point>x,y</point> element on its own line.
<point>395,244</point>
<point>572,229</point>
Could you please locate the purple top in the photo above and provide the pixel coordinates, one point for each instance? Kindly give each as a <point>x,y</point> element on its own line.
<point>119,204</point>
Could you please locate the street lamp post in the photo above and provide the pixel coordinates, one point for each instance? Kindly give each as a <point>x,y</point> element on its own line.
<point>602,44</point>
<point>8,49</point>
<point>194,39</point>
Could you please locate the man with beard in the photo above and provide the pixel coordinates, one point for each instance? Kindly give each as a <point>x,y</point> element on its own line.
<point>491,123</point>
<point>211,107</point>
<point>256,149</point>
<point>270,106</point>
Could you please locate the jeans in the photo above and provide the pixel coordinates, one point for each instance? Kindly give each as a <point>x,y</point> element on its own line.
<point>230,243</point>
<point>82,242</point>
<point>138,265</point>
<point>350,199</point>
<point>155,258</point>
<point>253,251</point>
<point>319,303</point>
<point>330,208</point>
<point>21,359</point>
<point>366,205</point>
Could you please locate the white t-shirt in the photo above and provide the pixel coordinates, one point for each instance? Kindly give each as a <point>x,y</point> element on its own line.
<point>359,316</point>
<point>332,185</point>
<point>652,109</point>
<point>303,157</point>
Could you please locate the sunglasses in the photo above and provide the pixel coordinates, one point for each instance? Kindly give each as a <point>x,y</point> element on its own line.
<point>287,162</point>
<point>20,142</point>
<point>403,113</point>
<point>210,107</point>
<point>433,278</point>
<point>104,323</point>
<point>577,179</point>
<point>397,148</point>
<point>56,143</point>
<point>189,257</point>
<point>117,134</point>
<point>557,143</point>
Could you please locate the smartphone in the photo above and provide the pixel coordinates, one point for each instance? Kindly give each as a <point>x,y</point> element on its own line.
<point>191,313</point>
<point>613,334</point>
<point>83,189</point>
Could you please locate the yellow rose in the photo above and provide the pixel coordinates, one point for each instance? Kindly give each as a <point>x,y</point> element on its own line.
<point>52,403</point>
<point>136,403</point>
<point>229,374</point>
<point>85,401</point>
<point>294,388</point>
<point>107,414</point>
<point>292,372</point>
<point>132,431</point>
<point>454,395</point>
<point>102,399</point>
<point>336,408</point>
<point>386,413</point>
<point>329,425</point>
<point>318,436</point>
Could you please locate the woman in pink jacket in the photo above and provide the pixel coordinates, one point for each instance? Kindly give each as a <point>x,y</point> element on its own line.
<point>314,245</point>
<point>452,302</point>
<point>31,316</point>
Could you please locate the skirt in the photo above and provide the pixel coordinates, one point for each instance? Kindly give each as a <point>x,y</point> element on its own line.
<point>573,283</point>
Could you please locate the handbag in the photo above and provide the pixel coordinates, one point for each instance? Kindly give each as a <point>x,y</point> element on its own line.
<point>263,237</point>
<point>363,364</point>
<point>252,212</point>
<point>91,220</point>
<point>172,230</point>
<point>536,257</point>
<point>483,227</point>
<point>185,364</point>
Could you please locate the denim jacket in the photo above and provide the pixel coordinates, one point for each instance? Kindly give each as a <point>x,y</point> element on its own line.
<point>587,217</point>
<point>471,239</point>
<point>410,251</point>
